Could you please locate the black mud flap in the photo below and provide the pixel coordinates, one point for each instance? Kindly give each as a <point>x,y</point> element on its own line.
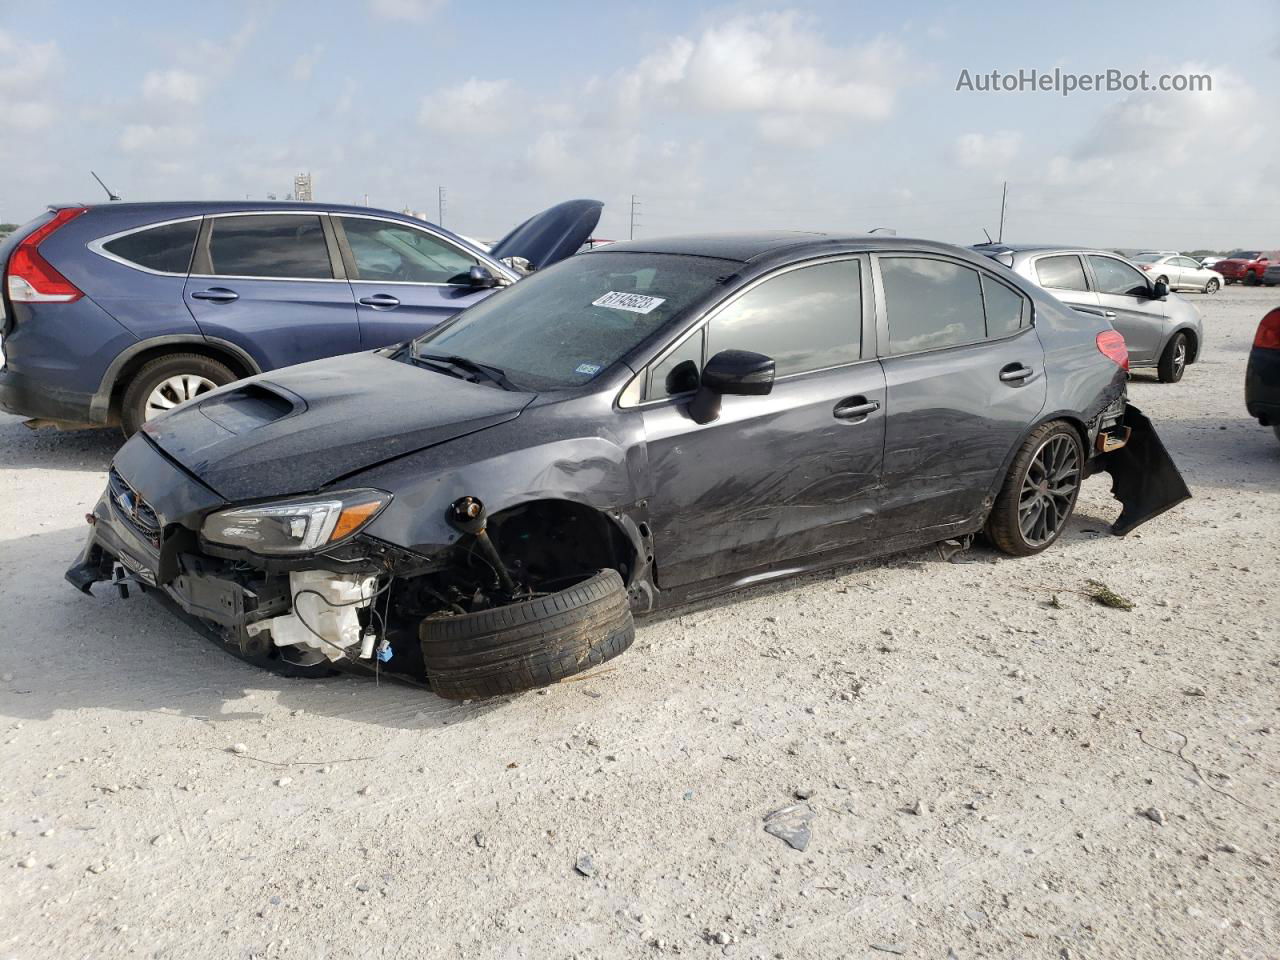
<point>1143,475</point>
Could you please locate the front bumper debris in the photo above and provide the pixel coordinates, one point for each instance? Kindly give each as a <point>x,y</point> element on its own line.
<point>1144,477</point>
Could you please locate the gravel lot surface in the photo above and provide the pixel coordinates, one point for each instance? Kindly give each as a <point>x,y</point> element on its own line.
<point>990,774</point>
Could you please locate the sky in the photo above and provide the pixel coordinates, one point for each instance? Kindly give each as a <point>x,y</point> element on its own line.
<point>824,115</point>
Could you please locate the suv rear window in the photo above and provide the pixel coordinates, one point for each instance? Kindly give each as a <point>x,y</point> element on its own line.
<point>166,248</point>
<point>285,246</point>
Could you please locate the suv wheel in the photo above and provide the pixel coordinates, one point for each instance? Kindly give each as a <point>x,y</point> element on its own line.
<point>1173,362</point>
<point>1251,278</point>
<point>163,383</point>
<point>1040,492</point>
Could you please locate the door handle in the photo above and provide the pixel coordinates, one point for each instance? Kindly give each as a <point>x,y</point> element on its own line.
<point>1109,314</point>
<point>1015,373</point>
<point>216,295</point>
<point>380,301</point>
<point>855,408</point>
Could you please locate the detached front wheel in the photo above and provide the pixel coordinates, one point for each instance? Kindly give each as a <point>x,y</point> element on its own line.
<point>1039,494</point>
<point>529,644</point>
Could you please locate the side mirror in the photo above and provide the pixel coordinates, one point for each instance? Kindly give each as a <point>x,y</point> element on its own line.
<point>735,372</point>
<point>1159,290</point>
<point>480,278</point>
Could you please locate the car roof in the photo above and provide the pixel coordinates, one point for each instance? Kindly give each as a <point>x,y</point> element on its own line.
<point>780,244</point>
<point>179,208</point>
<point>1034,248</point>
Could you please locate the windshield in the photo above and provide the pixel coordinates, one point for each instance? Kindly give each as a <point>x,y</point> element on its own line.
<point>561,327</point>
<point>1244,255</point>
<point>1148,258</point>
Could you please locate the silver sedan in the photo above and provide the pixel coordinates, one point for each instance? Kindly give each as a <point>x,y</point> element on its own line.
<point>1179,272</point>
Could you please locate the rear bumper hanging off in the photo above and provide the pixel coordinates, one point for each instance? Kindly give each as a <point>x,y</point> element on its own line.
<point>1144,477</point>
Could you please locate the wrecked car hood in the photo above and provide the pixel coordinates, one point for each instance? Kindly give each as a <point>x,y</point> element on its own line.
<point>299,428</point>
<point>552,235</point>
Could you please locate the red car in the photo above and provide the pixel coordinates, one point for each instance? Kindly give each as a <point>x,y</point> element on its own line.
<point>1246,266</point>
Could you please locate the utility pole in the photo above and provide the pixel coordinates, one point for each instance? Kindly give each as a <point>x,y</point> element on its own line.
<point>440,208</point>
<point>366,199</point>
<point>1004,195</point>
<point>634,215</point>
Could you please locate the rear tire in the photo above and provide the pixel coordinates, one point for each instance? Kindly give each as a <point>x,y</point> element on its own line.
<point>1039,494</point>
<point>1173,362</point>
<point>169,380</point>
<point>530,644</point>
<point>1251,278</point>
<point>1164,280</point>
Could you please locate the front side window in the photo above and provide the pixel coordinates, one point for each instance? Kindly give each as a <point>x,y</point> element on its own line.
<point>931,304</point>
<point>560,327</point>
<point>398,253</point>
<point>275,246</point>
<point>1188,263</point>
<point>166,248</point>
<point>678,371</point>
<point>805,319</point>
<point>1061,273</point>
<point>1116,277</point>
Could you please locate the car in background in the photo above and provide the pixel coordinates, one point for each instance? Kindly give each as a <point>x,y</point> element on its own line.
<point>643,425</point>
<point>1160,329</point>
<point>1209,262</point>
<point>1179,272</point>
<point>1262,376</point>
<point>115,313</point>
<point>1246,266</point>
<point>1271,275</point>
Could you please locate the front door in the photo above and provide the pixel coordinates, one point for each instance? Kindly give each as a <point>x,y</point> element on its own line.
<point>1125,295</point>
<point>266,283</point>
<point>965,376</point>
<point>776,478</point>
<point>405,280</point>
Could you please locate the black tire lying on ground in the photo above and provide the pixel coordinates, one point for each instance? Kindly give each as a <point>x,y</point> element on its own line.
<point>529,644</point>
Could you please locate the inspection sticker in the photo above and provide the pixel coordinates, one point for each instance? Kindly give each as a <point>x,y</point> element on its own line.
<point>631,302</point>
<point>590,369</point>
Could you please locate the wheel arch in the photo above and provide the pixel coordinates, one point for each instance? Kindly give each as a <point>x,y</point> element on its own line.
<point>1193,342</point>
<point>1070,417</point>
<point>104,407</point>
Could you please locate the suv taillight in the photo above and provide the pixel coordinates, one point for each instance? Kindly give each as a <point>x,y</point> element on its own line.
<point>30,277</point>
<point>1268,335</point>
<point>1111,344</point>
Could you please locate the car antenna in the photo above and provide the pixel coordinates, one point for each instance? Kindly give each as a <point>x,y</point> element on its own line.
<point>889,230</point>
<point>111,194</point>
<point>988,233</point>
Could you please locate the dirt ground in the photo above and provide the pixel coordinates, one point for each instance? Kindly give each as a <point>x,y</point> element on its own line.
<point>993,774</point>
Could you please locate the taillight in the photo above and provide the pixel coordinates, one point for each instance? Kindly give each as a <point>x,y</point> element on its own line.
<point>31,278</point>
<point>1268,335</point>
<point>1111,344</point>
<point>1145,266</point>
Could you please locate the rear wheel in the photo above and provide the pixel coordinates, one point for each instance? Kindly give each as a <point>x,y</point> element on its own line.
<point>529,644</point>
<point>1039,494</point>
<point>1211,286</point>
<point>163,383</point>
<point>1251,278</point>
<point>1173,362</point>
<point>1164,280</point>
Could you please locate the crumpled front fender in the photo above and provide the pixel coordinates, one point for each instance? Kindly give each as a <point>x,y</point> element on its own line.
<point>1144,477</point>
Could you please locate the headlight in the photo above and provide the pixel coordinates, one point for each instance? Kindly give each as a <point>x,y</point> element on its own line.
<point>295,526</point>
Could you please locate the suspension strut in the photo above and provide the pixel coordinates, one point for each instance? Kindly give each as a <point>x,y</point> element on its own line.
<point>467,515</point>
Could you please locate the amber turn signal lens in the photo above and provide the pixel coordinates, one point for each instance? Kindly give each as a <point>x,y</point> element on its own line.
<point>353,518</point>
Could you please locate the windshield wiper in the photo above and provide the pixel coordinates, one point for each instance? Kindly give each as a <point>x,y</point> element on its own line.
<point>452,362</point>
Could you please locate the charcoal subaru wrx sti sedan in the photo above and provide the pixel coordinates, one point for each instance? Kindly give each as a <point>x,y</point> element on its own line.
<point>642,425</point>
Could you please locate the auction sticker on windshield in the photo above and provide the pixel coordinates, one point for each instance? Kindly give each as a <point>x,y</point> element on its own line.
<point>632,302</point>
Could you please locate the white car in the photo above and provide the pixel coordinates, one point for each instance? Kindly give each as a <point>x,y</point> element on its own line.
<point>1179,272</point>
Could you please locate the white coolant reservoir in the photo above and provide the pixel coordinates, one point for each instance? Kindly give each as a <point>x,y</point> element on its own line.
<point>326,603</point>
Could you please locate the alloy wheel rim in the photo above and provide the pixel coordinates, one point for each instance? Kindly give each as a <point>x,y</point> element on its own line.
<point>1180,357</point>
<point>1049,490</point>
<point>175,390</point>
<point>1213,286</point>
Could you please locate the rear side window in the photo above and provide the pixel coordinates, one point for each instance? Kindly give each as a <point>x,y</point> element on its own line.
<point>393,252</point>
<point>805,319</point>
<point>1116,277</point>
<point>931,304</point>
<point>1061,273</point>
<point>1006,310</point>
<point>166,248</point>
<point>288,247</point>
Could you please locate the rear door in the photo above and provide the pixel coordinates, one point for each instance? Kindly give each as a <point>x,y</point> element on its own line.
<point>965,378</point>
<point>273,284</point>
<point>780,477</point>
<point>1125,295</point>
<point>405,279</point>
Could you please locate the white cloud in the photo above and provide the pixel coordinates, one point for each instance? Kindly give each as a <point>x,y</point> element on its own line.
<point>772,64</point>
<point>305,65</point>
<point>25,66</point>
<point>174,86</point>
<point>412,10</point>
<point>25,115</point>
<point>155,138</point>
<point>473,106</point>
<point>987,150</point>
